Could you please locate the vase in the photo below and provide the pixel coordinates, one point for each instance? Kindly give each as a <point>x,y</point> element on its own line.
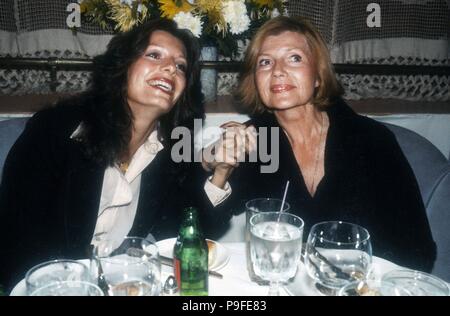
<point>208,77</point>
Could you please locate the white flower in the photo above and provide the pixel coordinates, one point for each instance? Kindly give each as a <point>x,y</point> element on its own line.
<point>185,20</point>
<point>235,14</point>
<point>275,13</point>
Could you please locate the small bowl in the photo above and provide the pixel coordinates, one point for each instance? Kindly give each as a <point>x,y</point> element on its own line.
<point>418,283</point>
<point>373,288</point>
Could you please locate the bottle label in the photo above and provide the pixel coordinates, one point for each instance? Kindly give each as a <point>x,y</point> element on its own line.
<point>177,270</point>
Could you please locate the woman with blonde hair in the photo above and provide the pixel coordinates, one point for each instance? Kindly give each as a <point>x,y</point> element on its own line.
<point>341,165</point>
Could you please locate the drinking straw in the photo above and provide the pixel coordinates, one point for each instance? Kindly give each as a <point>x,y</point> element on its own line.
<point>284,199</point>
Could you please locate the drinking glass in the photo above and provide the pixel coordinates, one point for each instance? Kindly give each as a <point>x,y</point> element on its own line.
<point>131,269</point>
<point>68,288</point>
<point>373,288</point>
<point>337,253</point>
<point>417,282</point>
<point>275,247</point>
<point>253,207</point>
<point>55,271</point>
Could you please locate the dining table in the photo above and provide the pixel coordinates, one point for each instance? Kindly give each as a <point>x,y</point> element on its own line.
<point>235,279</point>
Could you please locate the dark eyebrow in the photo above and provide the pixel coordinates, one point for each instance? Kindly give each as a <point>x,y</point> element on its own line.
<point>182,55</point>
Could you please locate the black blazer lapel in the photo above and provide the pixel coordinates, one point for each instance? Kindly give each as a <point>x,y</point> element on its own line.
<point>155,207</point>
<point>81,203</point>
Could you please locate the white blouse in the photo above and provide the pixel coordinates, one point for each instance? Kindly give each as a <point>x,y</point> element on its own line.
<point>120,193</point>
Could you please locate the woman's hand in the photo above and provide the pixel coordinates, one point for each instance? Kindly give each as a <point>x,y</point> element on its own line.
<point>224,155</point>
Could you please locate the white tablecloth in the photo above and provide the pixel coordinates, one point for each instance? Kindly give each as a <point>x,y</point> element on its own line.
<point>236,281</point>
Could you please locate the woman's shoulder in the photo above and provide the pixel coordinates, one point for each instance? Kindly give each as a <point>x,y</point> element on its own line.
<point>63,116</point>
<point>264,119</point>
<point>357,124</point>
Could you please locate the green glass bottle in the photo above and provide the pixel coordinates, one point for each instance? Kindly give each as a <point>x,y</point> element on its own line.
<point>190,255</point>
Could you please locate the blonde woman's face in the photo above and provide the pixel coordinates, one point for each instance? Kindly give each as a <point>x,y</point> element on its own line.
<point>285,72</point>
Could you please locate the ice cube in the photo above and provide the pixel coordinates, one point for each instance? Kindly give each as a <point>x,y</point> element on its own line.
<point>276,231</point>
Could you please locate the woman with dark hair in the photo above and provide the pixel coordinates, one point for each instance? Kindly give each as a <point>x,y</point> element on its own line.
<point>98,166</point>
<point>341,166</point>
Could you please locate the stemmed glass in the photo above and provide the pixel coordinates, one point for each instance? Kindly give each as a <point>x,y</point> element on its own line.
<point>131,269</point>
<point>337,253</point>
<point>275,247</point>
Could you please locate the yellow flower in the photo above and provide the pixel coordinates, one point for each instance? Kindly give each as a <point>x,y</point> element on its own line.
<point>122,15</point>
<point>213,9</point>
<point>170,8</point>
<point>208,6</point>
<point>212,15</point>
<point>83,7</point>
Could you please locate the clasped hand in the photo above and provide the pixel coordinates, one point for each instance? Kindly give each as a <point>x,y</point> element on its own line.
<point>223,156</point>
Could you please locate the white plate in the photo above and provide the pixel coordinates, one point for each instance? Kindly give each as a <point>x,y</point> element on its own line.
<point>19,290</point>
<point>303,285</point>
<point>220,255</point>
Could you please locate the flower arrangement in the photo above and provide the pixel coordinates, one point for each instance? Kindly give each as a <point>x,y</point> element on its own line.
<point>215,22</point>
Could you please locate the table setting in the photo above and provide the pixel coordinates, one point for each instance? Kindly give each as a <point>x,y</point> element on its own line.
<point>335,259</point>
<point>235,279</point>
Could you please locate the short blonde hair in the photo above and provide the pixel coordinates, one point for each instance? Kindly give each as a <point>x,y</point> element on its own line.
<point>329,87</point>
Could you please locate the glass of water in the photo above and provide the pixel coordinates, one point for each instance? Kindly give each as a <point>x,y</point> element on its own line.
<point>253,207</point>
<point>275,247</point>
<point>337,253</point>
<point>132,268</point>
<point>55,271</point>
<point>68,288</point>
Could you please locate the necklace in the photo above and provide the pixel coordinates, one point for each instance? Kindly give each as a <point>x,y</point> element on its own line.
<point>123,166</point>
<point>318,151</point>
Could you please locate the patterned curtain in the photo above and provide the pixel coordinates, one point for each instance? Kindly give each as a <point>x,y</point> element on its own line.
<point>411,32</point>
<point>38,29</point>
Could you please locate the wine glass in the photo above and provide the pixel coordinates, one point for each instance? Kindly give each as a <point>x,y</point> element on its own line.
<point>55,271</point>
<point>253,207</point>
<point>68,288</point>
<point>131,269</point>
<point>337,253</point>
<point>275,247</point>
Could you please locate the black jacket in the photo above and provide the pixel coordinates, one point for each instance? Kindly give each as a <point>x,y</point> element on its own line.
<point>50,195</point>
<point>367,181</point>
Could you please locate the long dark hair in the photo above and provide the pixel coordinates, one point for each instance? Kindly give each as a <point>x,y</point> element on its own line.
<point>107,125</point>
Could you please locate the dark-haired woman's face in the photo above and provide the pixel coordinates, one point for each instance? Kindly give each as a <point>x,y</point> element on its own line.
<point>285,75</point>
<point>158,78</point>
